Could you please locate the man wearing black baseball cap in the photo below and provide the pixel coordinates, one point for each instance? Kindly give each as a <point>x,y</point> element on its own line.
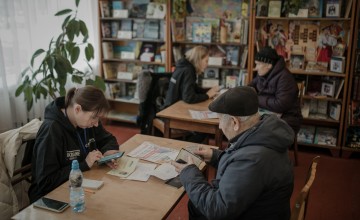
<point>276,87</point>
<point>254,177</point>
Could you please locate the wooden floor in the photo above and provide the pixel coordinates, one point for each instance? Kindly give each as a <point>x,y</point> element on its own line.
<point>335,194</point>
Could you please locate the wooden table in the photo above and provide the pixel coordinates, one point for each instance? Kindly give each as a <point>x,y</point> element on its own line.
<point>177,116</point>
<point>119,198</point>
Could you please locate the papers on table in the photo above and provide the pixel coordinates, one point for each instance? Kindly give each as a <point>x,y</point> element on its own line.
<point>130,168</point>
<point>203,114</point>
<point>153,153</point>
<point>165,171</point>
<point>126,165</point>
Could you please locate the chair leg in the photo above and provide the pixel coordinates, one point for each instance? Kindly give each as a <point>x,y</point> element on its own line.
<point>296,152</point>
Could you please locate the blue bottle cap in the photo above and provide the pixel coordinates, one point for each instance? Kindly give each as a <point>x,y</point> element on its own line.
<point>75,165</point>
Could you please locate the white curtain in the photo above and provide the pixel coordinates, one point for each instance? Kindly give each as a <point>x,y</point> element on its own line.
<point>26,26</point>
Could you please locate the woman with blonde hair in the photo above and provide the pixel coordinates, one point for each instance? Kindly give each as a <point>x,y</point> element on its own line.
<point>183,84</point>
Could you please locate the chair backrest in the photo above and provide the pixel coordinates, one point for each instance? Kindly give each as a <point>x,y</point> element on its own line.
<point>24,171</point>
<point>299,210</point>
<point>152,93</point>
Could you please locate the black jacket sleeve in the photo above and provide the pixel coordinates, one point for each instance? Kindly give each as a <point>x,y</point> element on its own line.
<point>190,89</point>
<point>104,140</point>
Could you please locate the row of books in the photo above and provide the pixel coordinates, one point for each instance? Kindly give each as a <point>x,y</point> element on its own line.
<point>354,113</point>
<point>312,9</point>
<point>353,137</point>
<point>133,29</point>
<point>127,71</point>
<point>323,87</point>
<point>130,50</point>
<point>320,109</point>
<point>219,55</point>
<point>122,91</point>
<point>207,30</point>
<point>229,78</point>
<point>309,134</point>
<point>133,9</point>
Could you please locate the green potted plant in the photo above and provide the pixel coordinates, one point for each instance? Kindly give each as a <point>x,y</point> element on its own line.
<point>56,63</point>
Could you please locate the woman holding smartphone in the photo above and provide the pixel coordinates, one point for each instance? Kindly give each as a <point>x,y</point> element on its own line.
<point>71,130</point>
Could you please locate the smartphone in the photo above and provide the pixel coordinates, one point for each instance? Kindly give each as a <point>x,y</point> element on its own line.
<point>51,204</point>
<point>110,157</point>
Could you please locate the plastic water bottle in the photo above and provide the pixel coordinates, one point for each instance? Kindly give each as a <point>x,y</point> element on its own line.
<point>77,196</point>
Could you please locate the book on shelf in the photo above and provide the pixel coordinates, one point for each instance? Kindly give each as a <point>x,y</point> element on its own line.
<point>147,52</point>
<point>138,28</point>
<point>306,134</point>
<point>118,10</point>
<point>337,64</point>
<point>233,27</point>
<point>151,29</point>
<point>274,9</point>
<point>315,8</point>
<point>231,81</point>
<point>215,27</point>
<point>325,136</point>
<point>109,71</point>
<point>328,88</point>
<point>312,66</point>
<point>243,77</point>
<point>339,88</point>
<point>232,55</point>
<point>333,8</point>
<point>322,107</point>
<point>107,49</point>
<point>211,73</point>
<point>244,57</point>
<point>302,13</point>
<point>156,10</point>
<point>348,8</point>
<point>178,29</point>
<point>297,61</point>
<point>106,29</point>
<point>138,8</point>
<point>115,27</point>
<point>201,32</point>
<point>104,9</point>
<point>208,83</point>
<point>334,111</point>
<point>262,8</point>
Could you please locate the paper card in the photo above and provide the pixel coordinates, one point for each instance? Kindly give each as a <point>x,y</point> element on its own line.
<point>165,171</point>
<point>92,184</point>
<point>126,165</point>
<point>142,172</point>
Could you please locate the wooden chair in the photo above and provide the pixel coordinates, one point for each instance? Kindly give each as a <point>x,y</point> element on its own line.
<point>299,210</point>
<point>152,92</point>
<point>301,86</point>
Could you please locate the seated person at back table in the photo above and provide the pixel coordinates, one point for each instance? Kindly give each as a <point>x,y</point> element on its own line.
<point>276,87</point>
<point>254,177</point>
<point>71,130</point>
<point>183,84</point>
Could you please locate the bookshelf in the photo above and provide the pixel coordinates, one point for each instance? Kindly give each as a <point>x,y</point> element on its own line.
<point>133,36</point>
<point>298,38</point>
<point>351,131</point>
<point>223,27</point>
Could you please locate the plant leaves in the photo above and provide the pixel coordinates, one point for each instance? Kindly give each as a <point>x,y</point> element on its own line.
<point>50,62</point>
<point>75,54</point>
<point>89,52</point>
<point>99,83</point>
<point>25,71</point>
<point>37,53</point>
<point>62,66</point>
<point>77,3</point>
<point>19,90</point>
<point>71,30</point>
<point>62,12</point>
<point>83,28</point>
<point>62,90</point>
<point>76,79</point>
<point>65,22</point>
